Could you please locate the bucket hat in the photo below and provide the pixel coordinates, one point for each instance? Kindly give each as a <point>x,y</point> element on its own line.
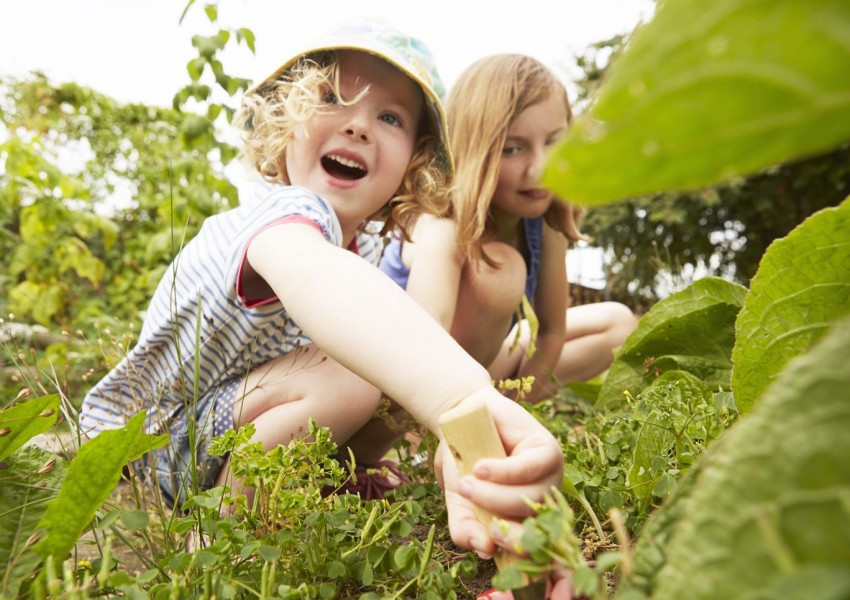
<point>406,53</point>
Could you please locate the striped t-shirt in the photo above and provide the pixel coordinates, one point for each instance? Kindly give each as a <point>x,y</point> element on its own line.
<point>199,289</point>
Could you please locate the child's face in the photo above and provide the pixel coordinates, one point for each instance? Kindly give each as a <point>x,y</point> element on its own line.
<point>530,138</point>
<point>355,156</point>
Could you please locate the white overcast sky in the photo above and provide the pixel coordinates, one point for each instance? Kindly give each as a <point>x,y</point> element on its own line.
<point>136,50</point>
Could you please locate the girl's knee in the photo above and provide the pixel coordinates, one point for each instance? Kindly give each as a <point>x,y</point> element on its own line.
<point>622,319</point>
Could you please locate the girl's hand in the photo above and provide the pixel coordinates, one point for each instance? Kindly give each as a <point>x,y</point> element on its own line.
<point>534,464</point>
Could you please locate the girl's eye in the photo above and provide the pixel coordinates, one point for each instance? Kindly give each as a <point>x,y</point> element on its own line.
<point>329,98</point>
<point>390,119</point>
<point>510,150</point>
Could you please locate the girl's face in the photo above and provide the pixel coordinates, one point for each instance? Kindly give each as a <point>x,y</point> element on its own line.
<point>530,138</point>
<point>355,156</point>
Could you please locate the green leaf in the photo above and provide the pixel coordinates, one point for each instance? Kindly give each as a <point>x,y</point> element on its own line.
<point>769,506</point>
<point>91,477</point>
<point>195,68</point>
<point>247,35</point>
<point>693,328</point>
<point>654,439</point>
<point>708,91</point>
<point>26,486</point>
<point>269,553</point>
<point>26,420</point>
<point>801,288</point>
<point>335,569</point>
<point>135,520</point>
<point>585,582</point>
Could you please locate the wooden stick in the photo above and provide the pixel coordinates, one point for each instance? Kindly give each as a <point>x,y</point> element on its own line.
<point>471,435</point>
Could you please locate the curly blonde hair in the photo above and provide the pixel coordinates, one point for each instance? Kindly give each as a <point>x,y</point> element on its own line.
<point>270,114</point>
<point>485,101</point>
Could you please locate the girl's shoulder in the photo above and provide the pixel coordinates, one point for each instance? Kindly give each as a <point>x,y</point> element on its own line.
<point>429,228</point>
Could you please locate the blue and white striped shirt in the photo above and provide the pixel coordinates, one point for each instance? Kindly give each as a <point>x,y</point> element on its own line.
<point>234,337</point>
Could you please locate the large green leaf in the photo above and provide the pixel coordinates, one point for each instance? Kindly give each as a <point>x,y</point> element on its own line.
<point>92,476</point>
<point>24,421</point>
<point>692,330</point>
<point>801,288</point>
<point>28,479</point>
<point>708,90</point>
<point>768,515</point>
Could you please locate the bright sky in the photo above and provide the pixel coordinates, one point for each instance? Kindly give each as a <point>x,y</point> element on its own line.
<point>136,50</point>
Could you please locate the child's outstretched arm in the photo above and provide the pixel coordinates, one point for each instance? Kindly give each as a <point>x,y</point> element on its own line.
<point>367,323</point>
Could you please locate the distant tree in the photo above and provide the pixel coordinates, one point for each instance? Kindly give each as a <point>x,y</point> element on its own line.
<point>96,198</point>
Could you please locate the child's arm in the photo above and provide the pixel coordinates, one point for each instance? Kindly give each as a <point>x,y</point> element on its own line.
<point>366,322</point>
<point>551,307</point>
<point>435,281</point>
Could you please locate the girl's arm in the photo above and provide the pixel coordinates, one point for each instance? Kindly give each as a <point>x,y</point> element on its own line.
<point>551,308</point>
<point>359,317</point>
<point>362,319</point>
<point>435,280</point>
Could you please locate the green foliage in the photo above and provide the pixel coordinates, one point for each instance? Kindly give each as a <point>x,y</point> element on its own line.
<point>29,479</point>
<point>691,330</point>
<point>45,505</point>
<point>802,286</point>
<point>631,457</point>
<point>24,421</point>
<point>702,95</point>
<point>92,476</point>
<point>669,239</point>
<point>768,510</point>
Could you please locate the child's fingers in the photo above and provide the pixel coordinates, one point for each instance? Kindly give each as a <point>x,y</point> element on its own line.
<point>502,500</point>
<point>532,461</point>
<point>465,528</point>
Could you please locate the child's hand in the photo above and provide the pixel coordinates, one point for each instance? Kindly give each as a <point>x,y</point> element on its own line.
<point>533,465</point>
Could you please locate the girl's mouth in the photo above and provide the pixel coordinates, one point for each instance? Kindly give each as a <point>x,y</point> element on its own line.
<point>342,167</point>
<point>536,193</point>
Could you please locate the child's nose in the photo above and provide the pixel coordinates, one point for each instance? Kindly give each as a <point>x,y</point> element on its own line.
<point>356,124</point>
<point>538,160</point>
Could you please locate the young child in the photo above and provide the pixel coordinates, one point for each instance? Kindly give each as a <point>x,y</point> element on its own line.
<point>504,236</point>
<point>293,322</point>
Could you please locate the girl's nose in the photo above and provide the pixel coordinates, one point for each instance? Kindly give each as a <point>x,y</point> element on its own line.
<point>538,160</point>
<point>356,124</point>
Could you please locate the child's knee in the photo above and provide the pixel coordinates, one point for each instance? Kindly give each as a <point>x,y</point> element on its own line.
<point>622,320</point>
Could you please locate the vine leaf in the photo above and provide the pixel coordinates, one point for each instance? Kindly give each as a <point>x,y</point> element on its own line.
<point>801,288</point>
<point>708,91</point>
<point>691,330</point>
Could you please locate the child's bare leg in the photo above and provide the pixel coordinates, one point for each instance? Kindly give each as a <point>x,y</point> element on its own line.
<point>593,332</point>
<point>488,298</point>
<point>281,397</point>
<point>375,439</point>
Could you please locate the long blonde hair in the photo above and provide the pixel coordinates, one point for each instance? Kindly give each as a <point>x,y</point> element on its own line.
<point>269,116</point>
<point>482,105</point>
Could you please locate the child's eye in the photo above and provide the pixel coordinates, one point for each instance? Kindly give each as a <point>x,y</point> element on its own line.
<point>390,119</point>
<point>510,150</point>
<point>329,98</point>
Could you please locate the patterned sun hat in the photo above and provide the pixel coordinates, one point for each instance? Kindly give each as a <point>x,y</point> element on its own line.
<point>406,53</point>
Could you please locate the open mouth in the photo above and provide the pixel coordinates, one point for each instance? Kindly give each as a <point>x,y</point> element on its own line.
<point>343,168</point>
